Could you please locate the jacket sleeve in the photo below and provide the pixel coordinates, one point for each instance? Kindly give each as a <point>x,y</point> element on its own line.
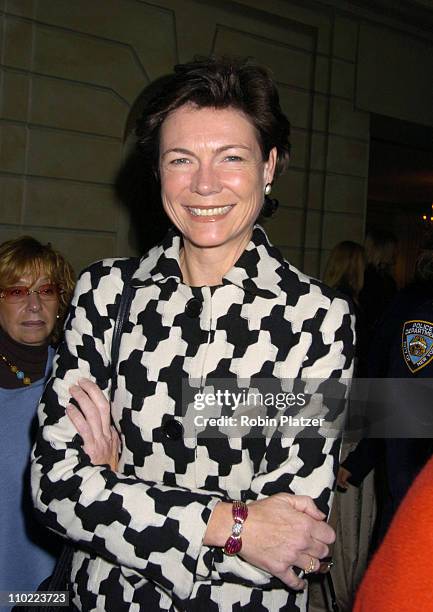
<point>128,521</point>
<point>367,454</point>
<point>296,461</point>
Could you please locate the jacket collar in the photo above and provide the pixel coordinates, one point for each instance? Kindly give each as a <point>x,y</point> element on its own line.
<point>256,271</point>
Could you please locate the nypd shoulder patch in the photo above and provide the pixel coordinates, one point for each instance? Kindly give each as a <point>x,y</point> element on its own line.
<point>417,344</point>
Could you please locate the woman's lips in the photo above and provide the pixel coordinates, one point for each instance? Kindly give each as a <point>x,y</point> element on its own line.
<point>33,323</point>
<point>200,211</point>
<point>210,213</point>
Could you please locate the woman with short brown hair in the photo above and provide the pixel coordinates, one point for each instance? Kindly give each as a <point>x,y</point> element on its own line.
<point>214,300</point>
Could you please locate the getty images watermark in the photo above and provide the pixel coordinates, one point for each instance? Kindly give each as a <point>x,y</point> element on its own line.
<point>374,408</point>
<point>255,400</point>
<point>225,408</point>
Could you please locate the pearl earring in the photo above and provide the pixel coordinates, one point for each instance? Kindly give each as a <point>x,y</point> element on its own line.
<point>269,205</point>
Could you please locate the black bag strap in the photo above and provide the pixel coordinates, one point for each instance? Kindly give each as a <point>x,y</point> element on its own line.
<point>58,580</point>
<point>122,316</point>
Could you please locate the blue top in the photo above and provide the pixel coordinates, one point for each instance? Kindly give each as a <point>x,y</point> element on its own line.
<point>25,557</point>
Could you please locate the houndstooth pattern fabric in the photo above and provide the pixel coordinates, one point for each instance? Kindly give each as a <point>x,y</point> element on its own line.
<point>139,530</point>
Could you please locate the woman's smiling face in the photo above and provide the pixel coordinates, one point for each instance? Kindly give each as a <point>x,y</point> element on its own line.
<point>212,175</point>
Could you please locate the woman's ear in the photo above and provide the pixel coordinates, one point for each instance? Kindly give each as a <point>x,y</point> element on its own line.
<point>270,165</point>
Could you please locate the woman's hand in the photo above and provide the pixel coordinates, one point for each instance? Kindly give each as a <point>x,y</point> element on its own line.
<point>93,423</point>
<point>281,532</point>
<point>343,477</point>
<point>285,531</point>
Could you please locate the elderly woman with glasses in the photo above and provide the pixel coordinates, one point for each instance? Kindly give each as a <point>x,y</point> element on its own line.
<point>36,284</point>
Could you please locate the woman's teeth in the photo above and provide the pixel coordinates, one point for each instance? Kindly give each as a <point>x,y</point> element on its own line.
<point>209,212</point>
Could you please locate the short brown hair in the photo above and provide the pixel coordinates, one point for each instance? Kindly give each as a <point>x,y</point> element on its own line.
<point>217,83</point>
<point>26,255</point>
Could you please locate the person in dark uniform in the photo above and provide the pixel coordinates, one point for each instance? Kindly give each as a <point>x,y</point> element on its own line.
<point>401,348</point>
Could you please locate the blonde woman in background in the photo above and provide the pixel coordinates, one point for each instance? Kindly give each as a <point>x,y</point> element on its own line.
<point>353,510</point>
<point>345,269</point>
<point>345,272</point>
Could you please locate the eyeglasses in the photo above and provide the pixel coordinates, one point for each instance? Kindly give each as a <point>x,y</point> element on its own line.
<point>14,295</point>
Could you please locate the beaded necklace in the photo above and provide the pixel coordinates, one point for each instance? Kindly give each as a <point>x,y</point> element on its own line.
<point>15,370</point>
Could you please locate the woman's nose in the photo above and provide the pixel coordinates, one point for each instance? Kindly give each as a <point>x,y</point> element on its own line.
<point>205,180</point>
<point>34,302</point>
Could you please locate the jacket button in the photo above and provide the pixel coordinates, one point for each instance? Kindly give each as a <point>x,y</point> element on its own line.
<point>193,307</point>
<point>173,429</point>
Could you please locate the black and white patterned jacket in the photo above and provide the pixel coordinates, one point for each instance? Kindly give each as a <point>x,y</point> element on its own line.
<point>139,530</point>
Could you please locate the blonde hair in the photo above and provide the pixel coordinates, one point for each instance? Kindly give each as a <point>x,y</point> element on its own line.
<point>380,249</point>
<point>27,256</point>
<point>345,267</point>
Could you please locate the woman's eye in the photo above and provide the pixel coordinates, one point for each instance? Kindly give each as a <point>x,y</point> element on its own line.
<point>17,291</point>
<point>47,290</point>
<point>180,161</point>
